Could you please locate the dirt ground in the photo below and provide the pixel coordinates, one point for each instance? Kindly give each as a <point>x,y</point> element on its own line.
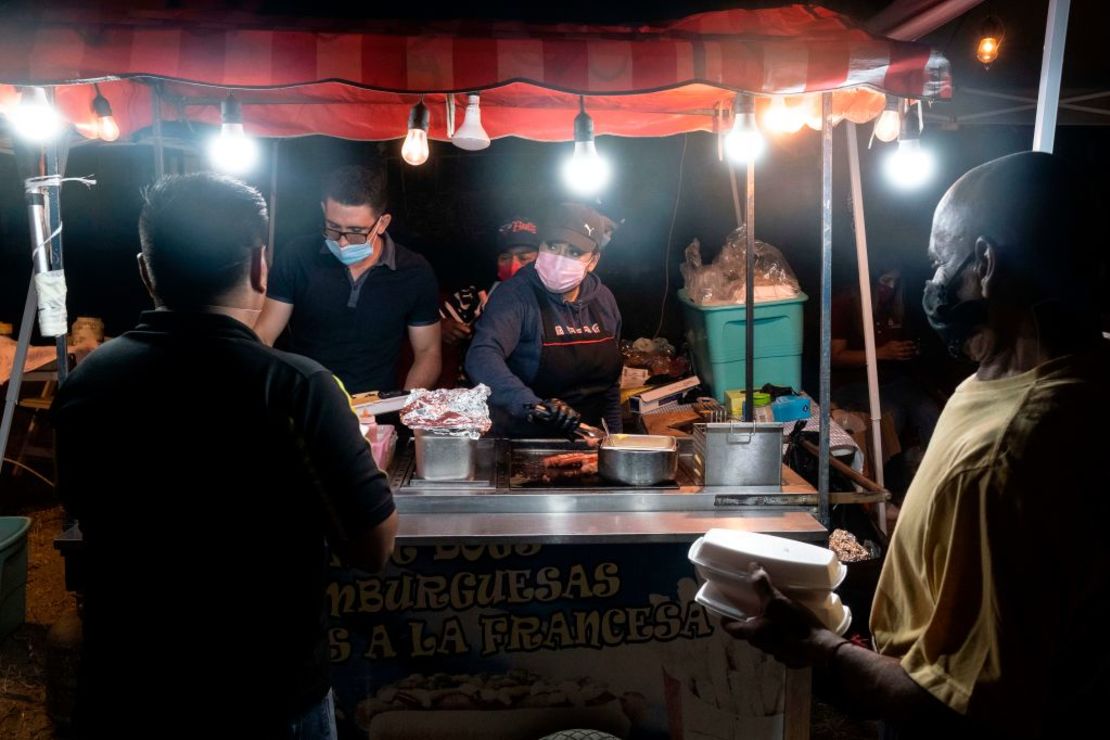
<point>23,713</point>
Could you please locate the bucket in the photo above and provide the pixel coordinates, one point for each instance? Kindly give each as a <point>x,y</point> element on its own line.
<point>13,572</point>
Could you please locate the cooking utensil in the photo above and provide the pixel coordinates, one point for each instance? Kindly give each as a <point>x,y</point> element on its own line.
<point>638,459</point>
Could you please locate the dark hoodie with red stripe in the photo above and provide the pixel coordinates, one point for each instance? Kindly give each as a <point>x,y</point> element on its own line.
<point>508,339</point>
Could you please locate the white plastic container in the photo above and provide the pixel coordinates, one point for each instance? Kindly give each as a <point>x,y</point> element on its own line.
<point>791,565</point>
<point>716,597</point>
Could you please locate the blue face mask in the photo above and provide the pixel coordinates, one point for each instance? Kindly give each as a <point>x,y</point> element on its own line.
<point>351,255</point>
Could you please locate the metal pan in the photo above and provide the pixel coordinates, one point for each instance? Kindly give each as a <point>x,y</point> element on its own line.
<point>638,459</point>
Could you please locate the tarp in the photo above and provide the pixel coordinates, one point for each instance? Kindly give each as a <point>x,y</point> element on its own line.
<point>307,77</point>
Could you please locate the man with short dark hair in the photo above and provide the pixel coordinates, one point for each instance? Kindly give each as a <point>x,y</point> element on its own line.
<point>989,610</point>
<point>350,295</point>
<point>207,470</point>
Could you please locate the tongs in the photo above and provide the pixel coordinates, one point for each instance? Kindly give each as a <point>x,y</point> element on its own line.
<point>590,434</point>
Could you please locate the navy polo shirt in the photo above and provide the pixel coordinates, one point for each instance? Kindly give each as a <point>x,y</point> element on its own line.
<point>353,327</point>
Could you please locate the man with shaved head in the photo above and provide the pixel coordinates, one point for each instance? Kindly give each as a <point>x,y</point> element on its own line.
<point>988,616</point>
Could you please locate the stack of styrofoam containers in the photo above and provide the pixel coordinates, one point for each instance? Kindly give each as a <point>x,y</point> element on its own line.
<point>725,559</point>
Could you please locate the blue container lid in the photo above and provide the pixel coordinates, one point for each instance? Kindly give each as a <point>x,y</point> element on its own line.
<point>685,298</point>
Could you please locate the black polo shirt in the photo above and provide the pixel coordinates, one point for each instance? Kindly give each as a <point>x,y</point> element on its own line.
<point>206,470</point>
<point>355,328</point>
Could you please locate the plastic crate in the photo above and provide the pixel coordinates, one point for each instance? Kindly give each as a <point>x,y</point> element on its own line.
<point>717,337</point>
<point>13,572</point>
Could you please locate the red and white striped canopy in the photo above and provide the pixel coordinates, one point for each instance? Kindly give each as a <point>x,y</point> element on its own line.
<point>308,77</point>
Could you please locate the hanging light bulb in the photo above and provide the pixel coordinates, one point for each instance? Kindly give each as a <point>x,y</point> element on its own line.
<point>585,173</point>
<point>34,118</point>
<point>910,165</point>
<point>744,143</point>
<point>784,117</point>
<point>990,39</point>
<point>415,149</point>
<point>889,123</point>
<point>106,127</point>
<point>232,150</point>
<point>471,136</point>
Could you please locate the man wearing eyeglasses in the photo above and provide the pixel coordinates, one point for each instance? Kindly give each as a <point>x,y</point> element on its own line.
<point>350,295</point>
<point>550,337</point>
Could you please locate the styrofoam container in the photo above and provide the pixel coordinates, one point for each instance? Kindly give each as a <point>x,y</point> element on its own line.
<point>716,599</point>
<point>791,565</point>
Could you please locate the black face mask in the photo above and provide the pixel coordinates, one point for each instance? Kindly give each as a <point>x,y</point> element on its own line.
<point>955,321</point>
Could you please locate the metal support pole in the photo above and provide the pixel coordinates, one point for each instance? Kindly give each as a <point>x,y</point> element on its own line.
<point>1052,67</point>
<point>54,218</point>
<point>156,130</point>
<point>749,290</point>
<point>273,200</point>
<point>866,309</point>
<point>11,399</point>
<point>826,306</point>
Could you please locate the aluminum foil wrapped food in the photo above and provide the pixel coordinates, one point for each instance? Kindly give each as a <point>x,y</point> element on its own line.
<point>456,412</point>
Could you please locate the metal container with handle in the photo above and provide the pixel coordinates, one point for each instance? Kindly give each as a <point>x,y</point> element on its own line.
<point>638,459</point>
<point>738,454</point>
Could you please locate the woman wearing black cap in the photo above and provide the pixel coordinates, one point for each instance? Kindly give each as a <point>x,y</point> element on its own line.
<point>551,336</point>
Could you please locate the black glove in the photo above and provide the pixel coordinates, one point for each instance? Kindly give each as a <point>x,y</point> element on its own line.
<point>557,415</point>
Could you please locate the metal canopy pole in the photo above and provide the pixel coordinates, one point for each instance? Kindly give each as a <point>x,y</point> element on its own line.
<point>273,200</point>
<point>54,217</point>
<point>156,130</point>
<point>1052,67</point>
<point>826,307</point>
<point>749,291</point>
<point>864,270</point>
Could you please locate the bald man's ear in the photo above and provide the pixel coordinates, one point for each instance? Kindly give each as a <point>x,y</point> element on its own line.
<point>986,265</point>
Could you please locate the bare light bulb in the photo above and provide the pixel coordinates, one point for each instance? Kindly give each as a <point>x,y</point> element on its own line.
<point>990,41</point>
<point>586,173</point>
<point>744,142</point>
<point>415,149</point>
<point>106,127</point>
<point>909,166</point>
<point>232,150</point>
<point>784,118</point>
<point>34,118</point>
<point>988,50</point>
<point>889,123</point>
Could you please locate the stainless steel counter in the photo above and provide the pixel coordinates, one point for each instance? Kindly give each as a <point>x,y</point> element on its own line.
<point>499,505</point>
<point>498,488</point>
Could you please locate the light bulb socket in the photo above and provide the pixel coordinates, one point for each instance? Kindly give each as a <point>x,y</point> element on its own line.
<point>743,104</point>
<point>991,28</point>
<point>892,103</point>
<point>419,116</point>
<point>583,127</point>
<point>230,110</point>
<point>101,107</point>
<point>33,95</point>
<point>911,129</point>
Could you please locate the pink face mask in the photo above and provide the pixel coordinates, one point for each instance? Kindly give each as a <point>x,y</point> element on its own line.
<point>560,274</point>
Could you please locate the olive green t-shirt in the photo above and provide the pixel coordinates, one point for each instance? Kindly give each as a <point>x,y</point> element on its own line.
<point>994,591</point>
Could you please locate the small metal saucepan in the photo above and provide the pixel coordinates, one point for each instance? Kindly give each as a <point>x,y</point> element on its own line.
<point>638,459</point>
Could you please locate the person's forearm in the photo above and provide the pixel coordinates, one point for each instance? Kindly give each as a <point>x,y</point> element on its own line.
<point>425,369</point>
<point>847,358</point>
<point>866,684</point>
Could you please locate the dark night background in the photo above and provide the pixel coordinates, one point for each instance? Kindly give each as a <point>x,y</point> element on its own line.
<point>448,208</point>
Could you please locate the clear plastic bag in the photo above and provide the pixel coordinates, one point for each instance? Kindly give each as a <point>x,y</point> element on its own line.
<point>723,281</point>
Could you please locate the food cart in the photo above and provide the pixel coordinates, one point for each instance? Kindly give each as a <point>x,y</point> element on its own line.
<point>513,607</point>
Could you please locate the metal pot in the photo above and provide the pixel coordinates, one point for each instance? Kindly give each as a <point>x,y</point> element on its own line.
<point>638,459</point>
